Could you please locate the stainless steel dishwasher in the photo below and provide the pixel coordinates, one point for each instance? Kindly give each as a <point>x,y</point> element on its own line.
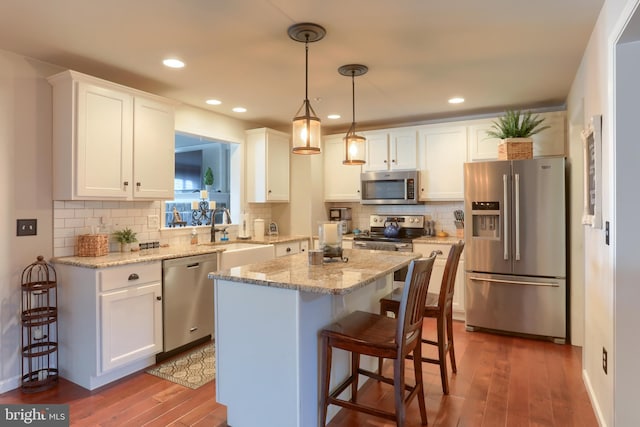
<point>187,309</point>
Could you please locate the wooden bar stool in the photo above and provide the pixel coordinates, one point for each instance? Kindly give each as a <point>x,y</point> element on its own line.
<point>381,336</point>
<point>438,306</point>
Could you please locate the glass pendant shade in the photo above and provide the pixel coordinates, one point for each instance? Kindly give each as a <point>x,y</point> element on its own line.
<point>354,145</point>
<point>354,148</point>
<point>306,125</point>
<point>306,131</point>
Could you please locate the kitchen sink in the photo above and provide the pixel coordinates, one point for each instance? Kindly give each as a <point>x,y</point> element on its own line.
<point>236,254</point>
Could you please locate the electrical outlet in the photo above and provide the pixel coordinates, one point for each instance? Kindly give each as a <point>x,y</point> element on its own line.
<point>153,221</point>
<point>604,360</point>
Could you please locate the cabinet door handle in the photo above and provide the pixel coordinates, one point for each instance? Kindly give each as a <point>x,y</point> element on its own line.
<point>159,298</point>
<point>288,249</point>
<point>385,161</point>
<point>269,191</point>
<point>138,185</point>
<point>393,160</point>
<point>134,276</point>
<point>126,183</point>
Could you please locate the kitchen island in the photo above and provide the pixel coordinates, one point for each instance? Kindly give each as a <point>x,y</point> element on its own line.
<point>268,316</point>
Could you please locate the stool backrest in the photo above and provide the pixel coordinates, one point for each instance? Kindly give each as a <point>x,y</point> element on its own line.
<point>414,296</point>
<point>445,299</point>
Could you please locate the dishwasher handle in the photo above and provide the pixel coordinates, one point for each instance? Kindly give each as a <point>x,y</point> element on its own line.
<point>194,265</point>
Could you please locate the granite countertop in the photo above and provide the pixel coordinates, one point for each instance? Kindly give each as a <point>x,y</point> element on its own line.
<point>332,277</point>
<point>449,240</point>
<point>157,254</point>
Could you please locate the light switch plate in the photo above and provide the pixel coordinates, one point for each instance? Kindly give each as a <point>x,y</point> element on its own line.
<point>27,227</point>
<point>153,221</point>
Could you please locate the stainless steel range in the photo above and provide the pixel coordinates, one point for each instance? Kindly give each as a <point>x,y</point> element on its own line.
<point>409,227</point>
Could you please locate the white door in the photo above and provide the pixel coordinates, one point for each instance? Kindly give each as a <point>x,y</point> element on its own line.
<point>403,147</point>
<point>104,142</point>
<point>377,152</point>
<point>443,153</point>
<point>277,167</point>
<point>341,182</point>
<point>131,324</point>
<point>153,148</point>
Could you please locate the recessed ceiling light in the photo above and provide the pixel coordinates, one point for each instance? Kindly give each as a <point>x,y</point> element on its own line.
<point>333,116</point>
<point>213,102</point>
<point>456,100</point>
<point>239,109</point>
<point>173,63</point>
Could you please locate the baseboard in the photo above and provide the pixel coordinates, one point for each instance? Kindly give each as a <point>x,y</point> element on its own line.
<point>10,384</point>
<point>592,397</point>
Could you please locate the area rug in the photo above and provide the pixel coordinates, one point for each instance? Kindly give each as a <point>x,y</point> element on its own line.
<point>192,369</point>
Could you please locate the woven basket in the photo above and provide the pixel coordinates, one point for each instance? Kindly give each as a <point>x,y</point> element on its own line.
<point>93,245</point>
<point>515,149</point>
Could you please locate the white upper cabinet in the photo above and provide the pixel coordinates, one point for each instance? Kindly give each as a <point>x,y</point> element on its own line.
<point>341,182</point>
<point>109,141</point>
<point>549,142</point>
<point>443,151</point>
<point>394,149</point>
<point>267,166</point>
<point>153,149</point>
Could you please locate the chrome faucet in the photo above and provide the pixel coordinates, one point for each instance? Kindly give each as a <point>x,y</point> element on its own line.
<point>226,219</point>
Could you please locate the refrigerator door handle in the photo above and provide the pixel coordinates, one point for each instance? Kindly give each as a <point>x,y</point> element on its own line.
<point>516,184</point>
<point>513,282</point>
<point>505,219</point>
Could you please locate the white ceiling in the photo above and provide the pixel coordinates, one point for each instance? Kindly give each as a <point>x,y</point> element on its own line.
<point>495,53</point>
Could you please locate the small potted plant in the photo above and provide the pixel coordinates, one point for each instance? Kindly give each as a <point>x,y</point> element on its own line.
<point>515,130</point>
<point>208,179</point>
<point>125,237</point>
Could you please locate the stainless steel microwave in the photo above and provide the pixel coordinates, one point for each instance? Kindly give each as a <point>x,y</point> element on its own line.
<point>389,188</point>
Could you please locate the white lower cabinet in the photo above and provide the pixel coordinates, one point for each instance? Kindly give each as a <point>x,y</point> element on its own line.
<point>438,272</point>
<point>129,324</point>
<point>288,248</point>
<point>110,321</point>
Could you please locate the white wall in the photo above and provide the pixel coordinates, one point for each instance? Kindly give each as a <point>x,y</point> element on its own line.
<point>611,272</point>
<point>25,191</point>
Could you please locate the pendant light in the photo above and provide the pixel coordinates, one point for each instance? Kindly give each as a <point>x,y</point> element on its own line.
<point>306,125</point>
<point>354,145</point>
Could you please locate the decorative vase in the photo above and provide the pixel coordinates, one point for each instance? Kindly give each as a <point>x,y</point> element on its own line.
<point>515,149</point>
<point>125,247</point>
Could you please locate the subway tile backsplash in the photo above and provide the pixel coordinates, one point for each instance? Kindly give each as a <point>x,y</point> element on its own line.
<point>74,218</point>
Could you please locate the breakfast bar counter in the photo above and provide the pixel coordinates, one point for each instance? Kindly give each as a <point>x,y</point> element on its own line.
<point>268,316</point>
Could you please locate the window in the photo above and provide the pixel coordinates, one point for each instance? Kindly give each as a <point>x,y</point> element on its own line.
<point>194,155</point>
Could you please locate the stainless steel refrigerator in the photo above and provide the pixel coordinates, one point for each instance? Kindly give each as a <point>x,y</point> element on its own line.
<point>515,247</point>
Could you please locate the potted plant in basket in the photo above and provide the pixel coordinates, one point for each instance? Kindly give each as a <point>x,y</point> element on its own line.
<point>125,237</point>
<point>515,130</point>
<point>208,179</point>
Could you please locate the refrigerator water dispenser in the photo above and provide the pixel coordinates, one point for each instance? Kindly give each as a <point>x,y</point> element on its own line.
<point>485,220</point>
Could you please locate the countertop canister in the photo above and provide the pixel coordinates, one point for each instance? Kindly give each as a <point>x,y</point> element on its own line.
<point>258,228</point>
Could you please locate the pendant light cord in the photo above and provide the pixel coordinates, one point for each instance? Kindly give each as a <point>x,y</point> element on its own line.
<point>353,97</point>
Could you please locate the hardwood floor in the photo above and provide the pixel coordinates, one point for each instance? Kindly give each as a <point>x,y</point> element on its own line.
<point>501,381</point>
